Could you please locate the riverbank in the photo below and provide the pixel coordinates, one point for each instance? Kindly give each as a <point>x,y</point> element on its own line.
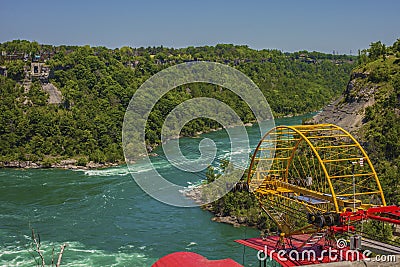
<point>69,164</point>
<point>240,208</point>
<point>78,164</point>
<point>235,221</point>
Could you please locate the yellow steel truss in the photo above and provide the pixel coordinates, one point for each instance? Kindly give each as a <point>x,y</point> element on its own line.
<point>312,168</point>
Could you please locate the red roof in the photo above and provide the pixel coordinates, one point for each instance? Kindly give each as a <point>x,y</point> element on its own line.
<point>190,259</point>
<point>269,245</point>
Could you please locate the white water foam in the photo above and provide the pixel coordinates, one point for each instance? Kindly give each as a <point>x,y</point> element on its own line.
<point>117,171</point>
<point>191,244</point>
<point>75,254</point>
<point>125,170</point>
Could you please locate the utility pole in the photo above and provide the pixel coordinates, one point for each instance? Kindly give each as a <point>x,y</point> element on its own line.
<point>354,185</point>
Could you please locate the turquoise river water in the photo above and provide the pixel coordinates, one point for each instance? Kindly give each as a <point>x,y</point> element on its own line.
<point>107,220</point>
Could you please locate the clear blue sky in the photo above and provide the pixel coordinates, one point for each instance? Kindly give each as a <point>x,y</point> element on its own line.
<point>319,25</point>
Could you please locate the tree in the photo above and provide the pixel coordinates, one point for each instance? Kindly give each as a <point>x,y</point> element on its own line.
<point>376,50</point>
<point>36,246</point>
<point>15,70</point>
<point>396,46</point>
<point>210,174</point>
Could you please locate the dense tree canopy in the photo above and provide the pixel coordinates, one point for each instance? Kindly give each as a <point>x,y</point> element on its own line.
<point>97,84</point>
<point>381,131</point>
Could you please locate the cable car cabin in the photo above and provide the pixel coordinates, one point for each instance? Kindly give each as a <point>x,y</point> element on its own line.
<point>311,200</point>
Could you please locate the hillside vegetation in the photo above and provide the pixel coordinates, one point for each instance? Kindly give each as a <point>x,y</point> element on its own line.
<point>97,83</point>
<point>373,97</point>
<point>370,109</point>
<point>381,125</point>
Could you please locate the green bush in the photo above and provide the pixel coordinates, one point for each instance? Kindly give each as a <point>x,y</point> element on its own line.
<point>82,161</point>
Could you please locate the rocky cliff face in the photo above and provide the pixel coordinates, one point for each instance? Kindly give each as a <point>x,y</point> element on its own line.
<point>348,111</point>
<point>55,96</point>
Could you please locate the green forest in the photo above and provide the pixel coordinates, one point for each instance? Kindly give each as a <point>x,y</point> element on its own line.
<point>379,134</point>
<point>97,84</point>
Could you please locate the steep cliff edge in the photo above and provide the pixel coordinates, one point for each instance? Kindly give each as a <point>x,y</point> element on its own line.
<point>372,84</point>
<point>348,111</point>
<point>369,108</point>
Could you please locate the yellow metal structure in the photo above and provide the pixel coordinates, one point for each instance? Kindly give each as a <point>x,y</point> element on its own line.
<point>311,169</point>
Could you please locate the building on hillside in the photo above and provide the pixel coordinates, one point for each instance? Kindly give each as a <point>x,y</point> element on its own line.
<point>40,70</point>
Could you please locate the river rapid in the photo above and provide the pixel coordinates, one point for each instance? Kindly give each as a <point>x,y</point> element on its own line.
<point>107,220</point>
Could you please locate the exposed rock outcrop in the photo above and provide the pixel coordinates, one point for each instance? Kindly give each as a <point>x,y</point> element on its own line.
<point>348,111</point>
<point>236,221</point>
<point>55,96</point>
<point>63,164</point>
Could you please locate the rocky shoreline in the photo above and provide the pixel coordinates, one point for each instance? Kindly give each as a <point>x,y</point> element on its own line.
<point>348,111</point>
<point>195,194</point>
<point>232,220</point>
<point>69,164</point>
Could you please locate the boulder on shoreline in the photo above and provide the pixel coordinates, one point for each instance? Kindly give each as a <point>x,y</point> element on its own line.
<point>227,219</point>
<point>195,194</point>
